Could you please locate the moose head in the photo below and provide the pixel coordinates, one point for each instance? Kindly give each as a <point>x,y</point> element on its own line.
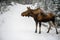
<point>28,12</point>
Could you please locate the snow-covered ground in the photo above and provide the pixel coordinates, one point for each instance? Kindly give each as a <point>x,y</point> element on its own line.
<point>15,27</point>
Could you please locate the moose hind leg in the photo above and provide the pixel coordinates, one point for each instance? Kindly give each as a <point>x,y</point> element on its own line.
<point>55,25</point>
<point>49,27</point>
<point>56,30</point>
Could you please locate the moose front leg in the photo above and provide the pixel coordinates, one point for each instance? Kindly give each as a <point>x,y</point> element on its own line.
<point>36,26</point>
<point>39,27</point>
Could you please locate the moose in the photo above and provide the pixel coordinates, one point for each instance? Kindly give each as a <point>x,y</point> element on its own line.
<point>39,16</point>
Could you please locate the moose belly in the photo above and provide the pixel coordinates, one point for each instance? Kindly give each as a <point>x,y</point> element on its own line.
<point>44,20</point>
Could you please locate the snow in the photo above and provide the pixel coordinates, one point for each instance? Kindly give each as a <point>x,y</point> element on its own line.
<point>15,27</point>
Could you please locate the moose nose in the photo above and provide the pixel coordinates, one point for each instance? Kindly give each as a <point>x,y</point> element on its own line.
<point>21,14</point>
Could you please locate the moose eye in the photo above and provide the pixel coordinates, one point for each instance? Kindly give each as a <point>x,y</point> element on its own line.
<point>39,14</point>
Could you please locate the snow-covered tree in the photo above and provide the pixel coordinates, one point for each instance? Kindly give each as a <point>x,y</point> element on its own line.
<point>51,5</point>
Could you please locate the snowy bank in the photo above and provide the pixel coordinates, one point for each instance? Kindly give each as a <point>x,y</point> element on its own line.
<point>15,27</point>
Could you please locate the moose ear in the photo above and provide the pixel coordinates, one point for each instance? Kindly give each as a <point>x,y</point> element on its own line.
<point>28,7</point>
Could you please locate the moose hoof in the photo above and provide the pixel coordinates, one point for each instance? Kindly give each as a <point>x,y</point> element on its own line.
<point>56,32</point>
<point>39,32</point>
<point>35,31</point>
<point>47,31</point>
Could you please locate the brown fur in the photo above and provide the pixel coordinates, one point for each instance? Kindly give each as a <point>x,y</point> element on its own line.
<point>39,16</point>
